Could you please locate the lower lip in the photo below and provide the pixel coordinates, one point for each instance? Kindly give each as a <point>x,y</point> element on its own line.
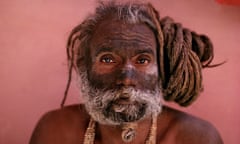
<point>122,102</point>
<point>122,105</point>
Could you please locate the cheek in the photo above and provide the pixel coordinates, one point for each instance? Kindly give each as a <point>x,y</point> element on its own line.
<point>102,81</point>
<point>148,81</point>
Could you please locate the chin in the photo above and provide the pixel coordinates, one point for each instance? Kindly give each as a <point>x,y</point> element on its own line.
<point>125,113</point>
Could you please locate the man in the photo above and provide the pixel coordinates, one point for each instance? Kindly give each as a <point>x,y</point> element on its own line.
<point>128,60</point>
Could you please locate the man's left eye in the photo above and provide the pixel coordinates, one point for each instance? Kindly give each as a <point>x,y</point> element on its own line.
<point>143,61</point>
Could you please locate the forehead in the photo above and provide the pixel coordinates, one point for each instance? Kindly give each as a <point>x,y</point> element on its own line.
<point>113,32</point>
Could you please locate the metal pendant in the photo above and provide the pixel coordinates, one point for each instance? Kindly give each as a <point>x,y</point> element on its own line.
<point>128,135</point>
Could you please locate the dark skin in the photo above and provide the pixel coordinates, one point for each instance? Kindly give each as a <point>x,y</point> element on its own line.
<point>123,55</point>
<point>68,125</point>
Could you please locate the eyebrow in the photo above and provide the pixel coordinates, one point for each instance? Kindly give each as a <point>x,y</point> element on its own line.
<point>103,49</point>
<point>137,51</point>
<point>146,50</point>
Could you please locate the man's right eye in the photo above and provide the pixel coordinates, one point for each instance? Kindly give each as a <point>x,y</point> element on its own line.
<point>107,59</point>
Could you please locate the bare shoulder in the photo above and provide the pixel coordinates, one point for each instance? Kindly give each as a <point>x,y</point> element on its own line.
<point>187,129</point>
<point>66,125</point>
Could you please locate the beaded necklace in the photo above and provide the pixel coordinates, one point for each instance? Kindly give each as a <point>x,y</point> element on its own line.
<point>128,133</point>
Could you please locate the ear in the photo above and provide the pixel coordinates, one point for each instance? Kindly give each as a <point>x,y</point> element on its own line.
<point>81,57</point>
<point>78,47</point>
<point>185,53</point>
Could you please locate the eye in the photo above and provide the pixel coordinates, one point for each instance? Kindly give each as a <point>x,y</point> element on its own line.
<point>107,59</point>
<point>143,60</point>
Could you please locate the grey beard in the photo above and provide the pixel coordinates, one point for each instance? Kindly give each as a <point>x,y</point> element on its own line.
<point>103,107</point>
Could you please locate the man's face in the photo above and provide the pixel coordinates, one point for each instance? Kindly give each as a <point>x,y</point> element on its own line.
<point>121,82</point>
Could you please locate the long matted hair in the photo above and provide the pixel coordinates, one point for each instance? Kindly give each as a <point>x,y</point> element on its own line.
<point>181,52</point>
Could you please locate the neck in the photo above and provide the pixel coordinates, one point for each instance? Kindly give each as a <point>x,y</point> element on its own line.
<point>106,134</point>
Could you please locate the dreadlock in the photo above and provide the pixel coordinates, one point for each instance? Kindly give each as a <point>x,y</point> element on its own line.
<point>181,52</point>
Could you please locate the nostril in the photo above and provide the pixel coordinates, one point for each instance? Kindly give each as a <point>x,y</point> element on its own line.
<point>126,82</point>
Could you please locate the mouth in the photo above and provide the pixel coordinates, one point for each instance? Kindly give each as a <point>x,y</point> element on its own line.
<point>125,107</point>
<point>125,110</point>
<point>122,105</point>
<point>122,102</point>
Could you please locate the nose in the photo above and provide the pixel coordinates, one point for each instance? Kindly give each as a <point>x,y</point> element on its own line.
<point>127,77</point>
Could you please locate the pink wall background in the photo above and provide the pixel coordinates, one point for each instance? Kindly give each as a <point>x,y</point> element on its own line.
<point>34,72</point>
